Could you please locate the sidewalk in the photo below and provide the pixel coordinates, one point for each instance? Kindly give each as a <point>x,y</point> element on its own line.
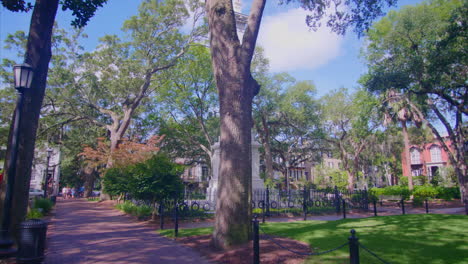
<point>88,232</point>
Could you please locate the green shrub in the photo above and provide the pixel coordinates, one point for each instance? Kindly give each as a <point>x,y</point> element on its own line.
<point>448,193</point>
<point>424,192</point>
<point>403,181</point>
<point>420,180</point>
<point>403,191</point>
<point>135,210</point>
<point>44,204</point>
<point>127,207</point>
<point>34,214</point>
<point>418,201</point>
<point>143,211</point>
<point>93,199</point>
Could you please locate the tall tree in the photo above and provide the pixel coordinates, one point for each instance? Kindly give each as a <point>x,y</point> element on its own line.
<point>267,114</point>
<point>287,120</point>
<point>231,61</point>
<point>397,110</point>
<point>420,51</point>
<point>125,73</point>
<point>350,120</point>
<point>190,101</point>
<point>38,53</point>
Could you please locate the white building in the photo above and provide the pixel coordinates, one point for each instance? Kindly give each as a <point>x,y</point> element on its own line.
<point>39,167</point>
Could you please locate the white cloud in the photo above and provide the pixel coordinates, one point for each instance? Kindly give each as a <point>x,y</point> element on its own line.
<point>291,45</point>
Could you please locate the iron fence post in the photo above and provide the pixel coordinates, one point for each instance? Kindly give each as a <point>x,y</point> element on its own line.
<point>427,207</point>
<point>161,215</point>
<point>466,205</point>
<point>176,216</point>
<point>353,248</point>
<point>256,241</point>
<point>366,199</point>
<point>344,208</point>
<point>337,200</point>
<point>375,207</point>
<point>304,205</point>
<point>267,201</point>
<point>263,212</point>
<point>403,206</point>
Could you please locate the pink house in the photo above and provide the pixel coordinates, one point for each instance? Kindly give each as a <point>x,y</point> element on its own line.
<point>426,160</point>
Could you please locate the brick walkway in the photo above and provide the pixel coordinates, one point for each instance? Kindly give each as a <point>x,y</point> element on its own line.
<point>87,232</point>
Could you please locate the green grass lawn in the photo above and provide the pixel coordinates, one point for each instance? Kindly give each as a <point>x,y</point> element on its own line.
<point>425,239</point>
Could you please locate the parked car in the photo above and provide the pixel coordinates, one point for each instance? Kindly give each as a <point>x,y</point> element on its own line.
<point>35,193</point>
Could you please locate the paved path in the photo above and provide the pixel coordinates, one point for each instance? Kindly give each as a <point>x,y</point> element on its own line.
<point>86,232</point>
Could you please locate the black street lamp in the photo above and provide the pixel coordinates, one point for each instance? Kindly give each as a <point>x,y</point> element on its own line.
<point>23,75</point>
<point>47,178</point>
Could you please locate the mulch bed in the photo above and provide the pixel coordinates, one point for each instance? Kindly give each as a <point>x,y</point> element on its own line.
<point>270,253</point>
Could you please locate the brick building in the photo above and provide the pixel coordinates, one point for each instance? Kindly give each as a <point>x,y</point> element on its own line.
<point>426,160</point>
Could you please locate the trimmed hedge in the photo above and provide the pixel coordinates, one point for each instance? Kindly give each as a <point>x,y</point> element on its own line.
<point>420,193</point>
<point>448,193</point>
<point>403,191</point>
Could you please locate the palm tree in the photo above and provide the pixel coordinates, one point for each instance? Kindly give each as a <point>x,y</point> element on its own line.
<point>398,110</point>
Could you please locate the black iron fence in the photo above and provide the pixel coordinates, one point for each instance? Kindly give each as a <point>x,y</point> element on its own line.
<point>266,202</point>
<point>271,203</point>
<point>307,201</point>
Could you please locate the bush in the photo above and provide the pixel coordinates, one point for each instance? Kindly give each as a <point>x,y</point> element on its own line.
<point>448,193</point>
<point>420,180</point>
<point>127,207</point>
<point>34,214</point>
<point>403,181</point>
<point>156,179</point>
<point>143,211</point>
<point>44,204</point>
<point>421,193</point>
<point>116,181</point>
<point>403,191</point>
<point>424,192</point>
<point>140,211</point>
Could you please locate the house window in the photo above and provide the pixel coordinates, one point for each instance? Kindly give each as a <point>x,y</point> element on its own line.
<point>415,172</point>
<point>415,156</point>
<point>436,155</point>
<point>204,172</point>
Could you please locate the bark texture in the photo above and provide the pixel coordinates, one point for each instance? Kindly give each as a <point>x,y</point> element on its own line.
<point>407,155</point>
<point>38,54</point>
<point>236,87</point>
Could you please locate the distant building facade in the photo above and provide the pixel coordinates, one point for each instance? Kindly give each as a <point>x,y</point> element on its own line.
<point>426,160</point>
<point>40,171</point>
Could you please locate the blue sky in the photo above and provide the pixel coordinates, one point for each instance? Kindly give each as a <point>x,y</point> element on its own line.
<point>328,60</point>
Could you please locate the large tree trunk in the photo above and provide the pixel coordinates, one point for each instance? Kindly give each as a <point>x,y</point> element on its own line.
<point>38,54</point>
<point>264,133</point>
<point>267,147</point>
<point>236,87</point>
<point>354,172</point>
<point>233,211</point>
<point>89,175</point>
<point>407,172</point>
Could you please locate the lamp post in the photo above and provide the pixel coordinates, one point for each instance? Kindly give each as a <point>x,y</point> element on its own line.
<point>46,178</point>
<point>23,75</point>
